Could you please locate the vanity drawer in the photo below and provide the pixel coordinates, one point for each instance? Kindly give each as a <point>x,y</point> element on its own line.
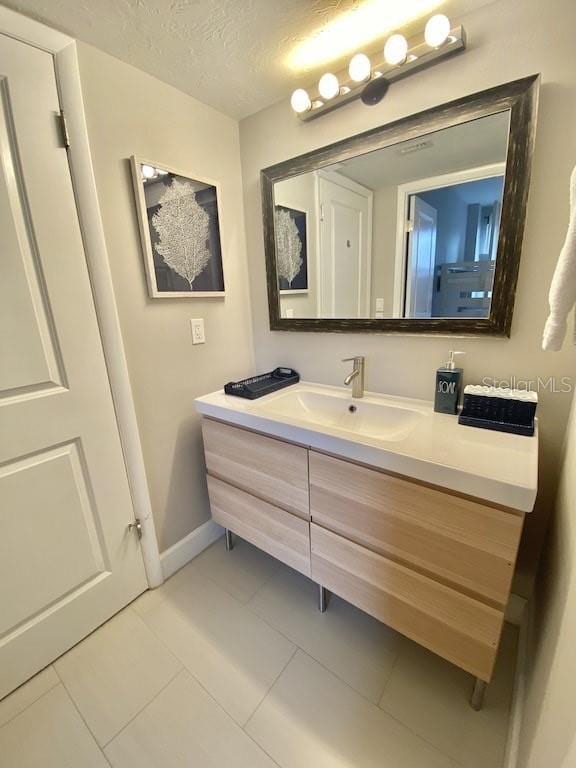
<point>455,626</point>
<point>270,469</point>
<point>463,543</point>
<point>284,536</point>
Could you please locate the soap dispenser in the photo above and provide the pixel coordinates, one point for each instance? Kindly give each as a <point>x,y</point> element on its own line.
<point>448,386</point>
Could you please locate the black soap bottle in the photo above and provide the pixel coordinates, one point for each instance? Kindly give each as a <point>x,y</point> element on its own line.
<point>448,386</point>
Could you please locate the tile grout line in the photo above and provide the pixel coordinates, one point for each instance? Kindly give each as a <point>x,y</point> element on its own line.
<point>81,716</point>
<point>297,648</point>
<point>250,608</point>
<point>41,696</point>
<point>134,613</point>
<point>218,584</point>
<point>148,703</point>
<point>294,652</point>
<point>229,716</point>
<point>394,665</point>
<point>209,694</point>
<point>308,653</point>
<point>378,708</point>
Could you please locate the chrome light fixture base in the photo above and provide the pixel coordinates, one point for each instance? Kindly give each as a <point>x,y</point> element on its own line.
<point>419,56</point>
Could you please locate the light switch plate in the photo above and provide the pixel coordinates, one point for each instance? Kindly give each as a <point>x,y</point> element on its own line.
<point>197,325</point>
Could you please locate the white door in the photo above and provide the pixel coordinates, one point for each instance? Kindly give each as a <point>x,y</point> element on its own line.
<point>420,260</point>
<point>67,562</point>
<point>345,248</point>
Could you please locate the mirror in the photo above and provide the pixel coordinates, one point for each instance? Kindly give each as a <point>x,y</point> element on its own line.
<point>413,226</point>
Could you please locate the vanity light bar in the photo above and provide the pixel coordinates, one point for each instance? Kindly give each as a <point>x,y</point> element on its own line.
<point>419,55</point>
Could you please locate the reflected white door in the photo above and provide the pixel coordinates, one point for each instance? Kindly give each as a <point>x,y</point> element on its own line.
<point>67,562</point>
<point>345,248</point>
<point>420,259</point>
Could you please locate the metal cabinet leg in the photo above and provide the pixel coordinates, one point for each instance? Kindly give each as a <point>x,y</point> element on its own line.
<point>229,540</point>
<point>323,596</point>
<point>477,699</point>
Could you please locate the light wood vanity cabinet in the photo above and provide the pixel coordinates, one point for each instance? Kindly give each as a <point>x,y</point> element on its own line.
<point>433,565</point>
<point>270,469</point>
<point>283,535</point>
<point>457,541</point>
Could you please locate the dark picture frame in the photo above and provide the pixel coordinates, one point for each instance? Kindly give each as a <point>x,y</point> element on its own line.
<point>179,222</point>
<point>520,99</point>
<point>296,222</point>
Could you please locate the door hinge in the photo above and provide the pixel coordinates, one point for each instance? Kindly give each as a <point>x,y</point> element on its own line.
<point>64,130</point>
<point>136,526</point>
<point>409,226</point>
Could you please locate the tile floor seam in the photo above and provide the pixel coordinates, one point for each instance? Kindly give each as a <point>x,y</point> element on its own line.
<point>168,650</point>
<point>322,664</point>
<point>176,659</point>
<point>308,653</point>
<point>204,688</point>
<point>288,639</point>
<point>174,676</point>
<point>419,736</point>
<point>224,711</point>
<point>27,707</point>
<point>393,667</point>
<point>81,716</point>
<point>294,652</point>
<point>218,583</point>
<point>380,709</point>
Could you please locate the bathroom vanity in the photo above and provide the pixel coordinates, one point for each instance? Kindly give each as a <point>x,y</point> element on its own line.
<point>397,509</point>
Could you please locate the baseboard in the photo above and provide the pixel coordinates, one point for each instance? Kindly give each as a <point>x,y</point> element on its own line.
<point>518,696</point>
<point>176,556</point>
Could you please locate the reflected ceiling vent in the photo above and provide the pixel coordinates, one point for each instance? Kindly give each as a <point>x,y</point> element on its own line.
<point>418,147</point>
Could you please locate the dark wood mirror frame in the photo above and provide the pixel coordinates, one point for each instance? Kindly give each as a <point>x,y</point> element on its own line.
<point>520,97</point>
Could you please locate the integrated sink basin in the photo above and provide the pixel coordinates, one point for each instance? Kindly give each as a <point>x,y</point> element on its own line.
<point>363,417</point>
<point>397,434</point>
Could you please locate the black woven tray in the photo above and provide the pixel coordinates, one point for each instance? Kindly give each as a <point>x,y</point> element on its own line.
<point>498,414</point>
<point>258,386</point>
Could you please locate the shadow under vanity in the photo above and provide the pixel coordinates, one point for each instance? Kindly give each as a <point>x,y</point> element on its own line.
<point>415,226</point>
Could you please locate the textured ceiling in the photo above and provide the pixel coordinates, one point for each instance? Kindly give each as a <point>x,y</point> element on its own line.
<point>236,55</point>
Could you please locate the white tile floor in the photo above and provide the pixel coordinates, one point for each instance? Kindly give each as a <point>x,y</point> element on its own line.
<point>230,665</point>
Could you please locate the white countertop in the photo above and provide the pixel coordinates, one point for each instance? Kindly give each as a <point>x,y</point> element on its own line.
<point>494,466</point>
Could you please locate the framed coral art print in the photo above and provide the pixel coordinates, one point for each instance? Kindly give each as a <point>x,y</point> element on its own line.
<point>291,249</point>
<point>180,231</point>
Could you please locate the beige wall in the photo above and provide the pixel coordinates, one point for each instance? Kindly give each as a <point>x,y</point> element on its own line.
<point>549,728</point>
<point>507,40</point>
<point>384,220</point>
<point>129,112</point>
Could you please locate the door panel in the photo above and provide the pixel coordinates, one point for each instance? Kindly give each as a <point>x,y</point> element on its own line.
<point>66,561</point>
<point>346,244</point>
<point>345,248</point>
<point>47,481</point>
<point>421,258</point>
<point>27,349</point>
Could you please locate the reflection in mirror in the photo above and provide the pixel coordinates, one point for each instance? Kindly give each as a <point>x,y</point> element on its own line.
<point>407,231</point>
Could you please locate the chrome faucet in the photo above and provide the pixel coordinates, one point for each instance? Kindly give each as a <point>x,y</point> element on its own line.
<point>357,375</point>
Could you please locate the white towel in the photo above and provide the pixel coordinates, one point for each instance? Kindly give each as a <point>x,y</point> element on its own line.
<point>562,296</point>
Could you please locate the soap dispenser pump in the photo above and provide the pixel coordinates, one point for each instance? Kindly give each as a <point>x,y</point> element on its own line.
<point>448,386</point>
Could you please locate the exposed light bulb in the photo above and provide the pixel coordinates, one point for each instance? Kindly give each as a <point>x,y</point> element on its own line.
<point>437,30</point>
<point>396,49</point>
<point>328,86</point>
<point>300,101</point>
<point>359,68</point>
<point>148,172</point>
